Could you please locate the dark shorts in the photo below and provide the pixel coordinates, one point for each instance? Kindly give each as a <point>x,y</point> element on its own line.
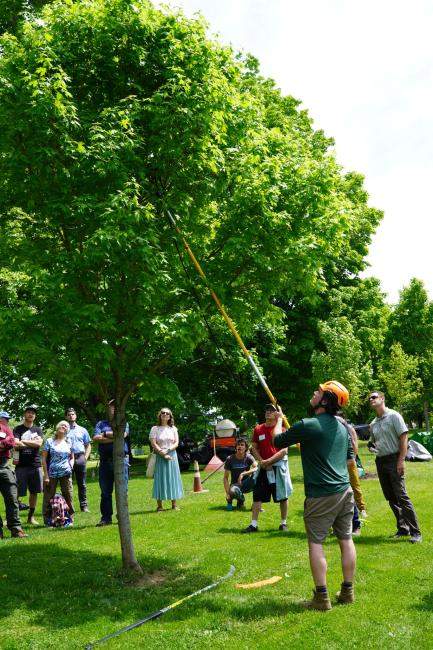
<point>29,478</point>
<point>263,490</point>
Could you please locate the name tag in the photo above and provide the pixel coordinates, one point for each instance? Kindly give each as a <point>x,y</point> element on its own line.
<point>262,437</point>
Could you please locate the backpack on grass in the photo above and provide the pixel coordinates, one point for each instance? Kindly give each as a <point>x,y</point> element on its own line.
<point>58,514</point>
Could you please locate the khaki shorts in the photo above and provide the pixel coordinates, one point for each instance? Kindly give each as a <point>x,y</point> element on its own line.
<point>320,513</point>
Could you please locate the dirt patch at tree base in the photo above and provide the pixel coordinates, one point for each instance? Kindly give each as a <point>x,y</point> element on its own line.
<point>154,579</point>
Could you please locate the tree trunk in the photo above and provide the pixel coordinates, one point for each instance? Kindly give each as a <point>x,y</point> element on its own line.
<point>129,559</point>
<point>426,417</point>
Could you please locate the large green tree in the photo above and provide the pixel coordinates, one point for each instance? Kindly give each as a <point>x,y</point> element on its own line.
<point>411,325</point>
<point>14,12</point>
<point>341,358</point>
<point>111,112</point>
<point>401,381</point>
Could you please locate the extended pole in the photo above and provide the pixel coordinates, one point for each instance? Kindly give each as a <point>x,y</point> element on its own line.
<point>161,612</point>
<point>224,314</point>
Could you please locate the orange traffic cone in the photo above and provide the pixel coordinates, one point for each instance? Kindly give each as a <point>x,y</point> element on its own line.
<point>214,464</point>
<point>197,487</point>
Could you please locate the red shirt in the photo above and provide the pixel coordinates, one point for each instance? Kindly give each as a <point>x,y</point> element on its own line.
<point>262,436</point>
<point>8,443</point>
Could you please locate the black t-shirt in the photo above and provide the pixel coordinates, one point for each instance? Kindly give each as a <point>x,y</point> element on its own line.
<point>29,456</point>
<point>236,466</point>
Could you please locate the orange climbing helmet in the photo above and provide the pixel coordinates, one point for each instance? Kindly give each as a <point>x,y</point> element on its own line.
<point>340,391</point>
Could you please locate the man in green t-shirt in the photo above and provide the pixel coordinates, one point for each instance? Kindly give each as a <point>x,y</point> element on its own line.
<point>325,449</point>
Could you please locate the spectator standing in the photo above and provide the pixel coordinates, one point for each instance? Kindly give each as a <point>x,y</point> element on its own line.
<point>28,442</point>
<point>79,439</point>
<point>8,484</point>
<point>325,449</point>
<point>388,439</point>
<point>273,479</point>
<point>57,463</point>
<point>355,483</point>
<point>167,482</point>
<point>103,436</point>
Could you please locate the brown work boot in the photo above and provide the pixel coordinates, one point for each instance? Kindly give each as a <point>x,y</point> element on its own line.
<point>31,520</point>
<point>346,596</point>
<point>320,601</point>
<point>18,532</point>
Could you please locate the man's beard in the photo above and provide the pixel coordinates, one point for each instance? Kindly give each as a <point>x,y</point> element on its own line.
<point>311,410</point>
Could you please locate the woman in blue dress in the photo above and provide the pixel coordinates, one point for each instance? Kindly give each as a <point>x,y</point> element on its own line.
<point>164,439</point>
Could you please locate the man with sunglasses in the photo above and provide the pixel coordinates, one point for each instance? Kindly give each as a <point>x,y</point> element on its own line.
<point>388,440</point>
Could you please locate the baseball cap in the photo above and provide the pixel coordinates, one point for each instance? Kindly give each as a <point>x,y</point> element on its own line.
<point>5,414</point>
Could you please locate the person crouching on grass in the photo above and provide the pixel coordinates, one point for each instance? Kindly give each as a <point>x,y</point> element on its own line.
<point>236,467</point>
<point>325,449</point>
<point>57,450</point>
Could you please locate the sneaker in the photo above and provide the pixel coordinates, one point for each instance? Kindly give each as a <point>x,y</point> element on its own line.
<point>18,532</point>
<point>415,539</point>
<point>356,532</point>
<point>103,523</point>
<point>85,509</point>
<point>229,507</point>
<point>250,529</point>
<point>23,506</point>
<point>32,521</point>
<point>320,601</point>
<point>282,527</point>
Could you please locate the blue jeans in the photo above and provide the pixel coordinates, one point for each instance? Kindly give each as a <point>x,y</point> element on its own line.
<point>106,483</point>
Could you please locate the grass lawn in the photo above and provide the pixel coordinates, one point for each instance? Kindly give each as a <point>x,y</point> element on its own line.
<point>63,589</point>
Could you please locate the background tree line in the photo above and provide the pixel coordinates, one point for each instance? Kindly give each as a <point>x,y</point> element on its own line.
<point>112,112</point>
<point>268,208</point>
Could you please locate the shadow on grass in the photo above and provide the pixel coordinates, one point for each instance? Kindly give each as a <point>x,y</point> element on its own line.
<point>426,605</point>
<point>65,588</point>
<point>257,610</point>
<point>262,533</point>
<point>223,508</point>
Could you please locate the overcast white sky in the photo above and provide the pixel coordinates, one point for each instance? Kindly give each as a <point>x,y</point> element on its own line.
<point>364,70</point>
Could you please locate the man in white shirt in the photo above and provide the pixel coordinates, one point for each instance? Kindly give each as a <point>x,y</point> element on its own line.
<point>388,440</point>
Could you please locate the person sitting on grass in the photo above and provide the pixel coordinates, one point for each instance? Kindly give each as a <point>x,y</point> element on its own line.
<point>59,469</point>
<point>236,467</point>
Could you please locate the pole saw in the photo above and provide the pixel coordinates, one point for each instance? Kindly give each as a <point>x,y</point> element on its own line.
<point>224,314</point>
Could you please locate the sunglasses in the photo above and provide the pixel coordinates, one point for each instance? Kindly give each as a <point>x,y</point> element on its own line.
<point>165,413</point>
<point>372,397</point>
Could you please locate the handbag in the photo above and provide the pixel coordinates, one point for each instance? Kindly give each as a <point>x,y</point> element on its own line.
<point>150,469</point>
